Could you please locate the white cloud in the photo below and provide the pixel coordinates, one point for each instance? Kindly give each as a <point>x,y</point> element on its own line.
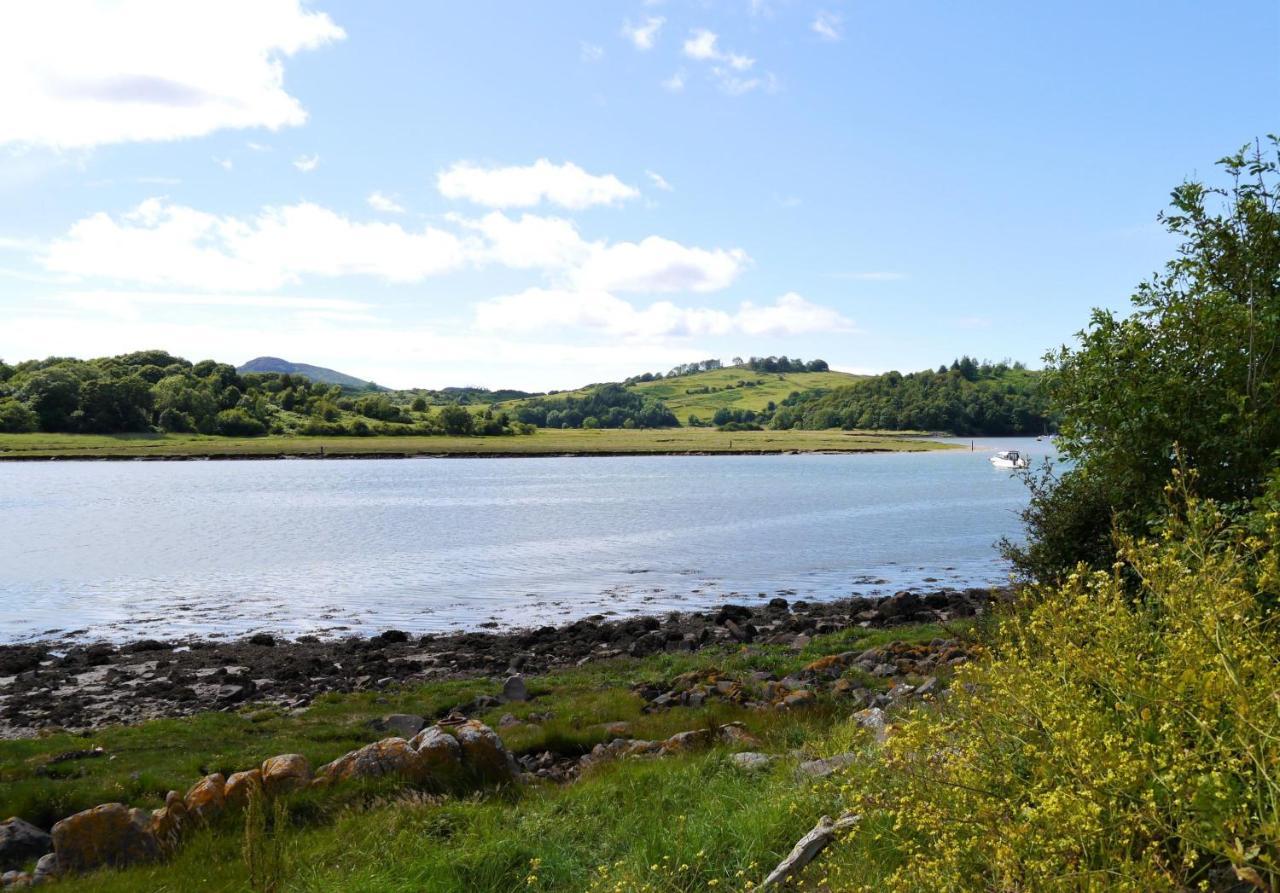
<point>655,264</point>
<point>257,147</point>
<point>306,163</point>
<point>675,83</point>
<point>531,242</point>
<point>703,45</point>
<point>225,163</point>
<point>82,73</point>
<point>644,35</point>
<point>828,26</point>
<point>385,203</point>
<point>565,184</point>
<point>591,52</point>
<point>162,244</point>
<point>791,315</point>
<point>659,181</point>
<point>542,308</point>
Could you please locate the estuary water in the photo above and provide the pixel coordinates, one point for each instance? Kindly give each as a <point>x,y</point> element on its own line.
<point>129,550</point>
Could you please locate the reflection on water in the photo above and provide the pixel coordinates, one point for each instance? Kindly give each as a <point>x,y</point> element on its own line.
<point>131,549</point>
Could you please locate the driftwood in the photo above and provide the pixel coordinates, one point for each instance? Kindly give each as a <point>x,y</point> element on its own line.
<point>809,846</point>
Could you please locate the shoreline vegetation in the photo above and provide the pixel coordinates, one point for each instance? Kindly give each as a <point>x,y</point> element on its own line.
<point>544,442</point>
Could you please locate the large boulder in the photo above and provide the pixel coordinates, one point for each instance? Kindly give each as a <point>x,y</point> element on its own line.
<point>439,755</point>
<point>207,798</point>
<point>514,689</point>
<point>20,842</point>
<point>241,786</point>
<point>285,773</point>
<point>106,835</point>
<point>483,753</point>
<point>390,756</point>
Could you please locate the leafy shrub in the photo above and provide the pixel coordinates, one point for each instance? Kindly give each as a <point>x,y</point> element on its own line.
<point>238,423</point>
<point>17,418</point>
<point>1113,740</point>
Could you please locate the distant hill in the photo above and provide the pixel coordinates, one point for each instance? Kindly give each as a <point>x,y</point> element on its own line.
<point>315,373</point>
<point>734,388</point>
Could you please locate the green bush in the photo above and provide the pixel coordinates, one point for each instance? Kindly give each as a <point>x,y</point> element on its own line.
<point>238,423</point>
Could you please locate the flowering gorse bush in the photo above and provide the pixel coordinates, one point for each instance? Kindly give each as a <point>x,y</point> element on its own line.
<point>1123,734</point>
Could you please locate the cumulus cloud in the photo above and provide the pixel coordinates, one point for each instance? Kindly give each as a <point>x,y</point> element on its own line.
<point>645,34</point>
<point>827,25</point>
<point>591,52</point>
<point>163,244</point>
<point>384,203</point>
<point>548,308</point>
<point>83,73</point>
<point>675,83</point>
<point>655,264</point>
<point>728,70</point>
<point>306,163</point>
<point>565,184</point>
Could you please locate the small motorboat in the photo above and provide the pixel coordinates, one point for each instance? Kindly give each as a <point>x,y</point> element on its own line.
<point>1010,459</point>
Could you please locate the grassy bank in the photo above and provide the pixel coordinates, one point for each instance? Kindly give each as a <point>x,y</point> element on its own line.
<point>645,827</point>
<point>542,443</point>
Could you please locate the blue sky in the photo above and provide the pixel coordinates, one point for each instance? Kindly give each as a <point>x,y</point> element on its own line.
<point>545,194</point>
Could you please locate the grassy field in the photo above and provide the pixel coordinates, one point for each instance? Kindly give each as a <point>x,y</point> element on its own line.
<point>544,442</point>
<point>645,828</point>
<point>735,388</point>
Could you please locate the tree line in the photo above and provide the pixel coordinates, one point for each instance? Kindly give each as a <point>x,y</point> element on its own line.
<point>604,406</point>
<point>967,397</point>
<point>154,391</point>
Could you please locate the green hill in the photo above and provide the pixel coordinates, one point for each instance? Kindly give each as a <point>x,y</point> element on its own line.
<point>318,374</point>
<point>701,394</point>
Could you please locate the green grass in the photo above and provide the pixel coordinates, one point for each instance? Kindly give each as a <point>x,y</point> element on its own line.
<point>628,816</point>
<point>736,388</point>
<point>727,388</point>
<point>544,442</point>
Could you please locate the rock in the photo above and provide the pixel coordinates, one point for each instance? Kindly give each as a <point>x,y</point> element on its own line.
<point>285,773</point>
<point>681,742</point>
<point>241,786</point>
<point>750,761</point>
<point>108,834</point>
<point>823,768</point>
<point>439,754</point>
<point>402,725</point>
<point>483,752</point>
<point>20,842</point>
<point>872,719</point>
<point>207,798</point>
<point>47,869</point>
<point>390,756</point>
<point>736,733</point>
<point>928,687</point>
<point>514,689</point>
<point>264,639</point>
<point>507,720</point>
<point>884,670</point>
<point>798,699</point>
<point>166,822</point>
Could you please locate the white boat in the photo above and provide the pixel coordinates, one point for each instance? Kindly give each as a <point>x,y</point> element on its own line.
<point>1010,459</point>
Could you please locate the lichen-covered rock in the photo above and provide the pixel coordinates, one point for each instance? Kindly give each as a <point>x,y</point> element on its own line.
<point>285,773</point>
<point>109,834</point>
<point>439,755</point>
<point>390,756</point>
<point>167,822</point>
<point>207,798</point>
<point>686,741</point>
<point>483,753</point>
<point>20,842</point>
<point>240,787</point>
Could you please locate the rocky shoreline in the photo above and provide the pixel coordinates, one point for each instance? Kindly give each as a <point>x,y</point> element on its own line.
<point>50,685</point>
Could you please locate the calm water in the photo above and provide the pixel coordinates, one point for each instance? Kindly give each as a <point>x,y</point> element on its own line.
<point>131,549</point>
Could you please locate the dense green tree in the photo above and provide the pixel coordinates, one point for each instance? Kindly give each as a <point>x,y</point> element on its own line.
<point>1192,376</point>
<point>16,417</point>
<point>455,420</point>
